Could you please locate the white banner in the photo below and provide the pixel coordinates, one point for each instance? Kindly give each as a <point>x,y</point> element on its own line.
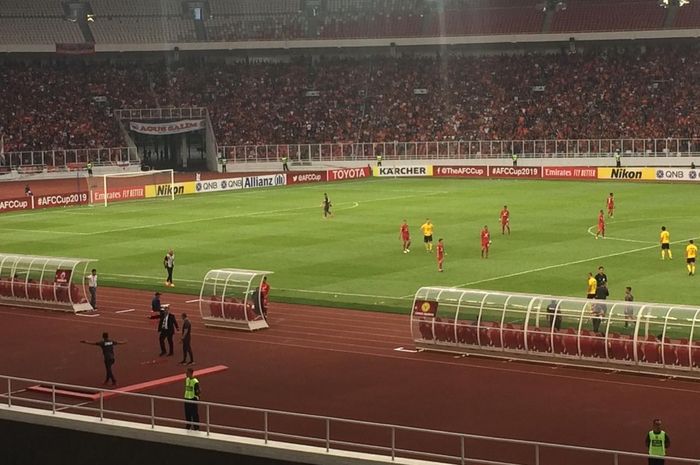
<point>176,127</point>
<point>216,185</point>
<point>404,171</point>
<point>677,174</point>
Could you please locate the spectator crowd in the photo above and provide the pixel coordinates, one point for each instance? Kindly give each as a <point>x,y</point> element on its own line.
<point>645,93</point>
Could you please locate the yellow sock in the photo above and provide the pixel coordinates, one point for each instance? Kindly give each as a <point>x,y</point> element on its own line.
<point>662,255</point>
<point>670,255</point>
<point>693,268</point>
<point>690,268</point>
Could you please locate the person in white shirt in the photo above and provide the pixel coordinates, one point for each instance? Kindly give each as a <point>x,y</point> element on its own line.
<point>92,287</point>
<point>169,264</point>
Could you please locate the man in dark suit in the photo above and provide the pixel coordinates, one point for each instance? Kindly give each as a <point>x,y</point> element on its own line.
<point>167,324</point>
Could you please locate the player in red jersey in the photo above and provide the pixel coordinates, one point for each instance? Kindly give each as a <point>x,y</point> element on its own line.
<point>405,236</point>
<point>601,225</point>
<point>505,220</point>
<point>610,203</point>
<point>440,250</point>
<point>485,242</point>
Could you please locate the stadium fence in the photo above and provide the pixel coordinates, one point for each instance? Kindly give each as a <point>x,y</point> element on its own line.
<point>393,442</point>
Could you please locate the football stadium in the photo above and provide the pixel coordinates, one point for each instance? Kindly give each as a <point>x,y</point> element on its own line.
<point>350,231</point>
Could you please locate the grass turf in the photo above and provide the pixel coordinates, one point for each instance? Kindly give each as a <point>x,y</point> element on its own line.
<point>354,259</point>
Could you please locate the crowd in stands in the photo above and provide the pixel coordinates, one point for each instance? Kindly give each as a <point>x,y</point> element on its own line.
<point>641,94</point>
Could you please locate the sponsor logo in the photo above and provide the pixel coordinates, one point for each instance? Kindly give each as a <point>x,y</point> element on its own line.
<point>166,190</point>
<point>563,172</point>
<point>313,176</point>
<point>347,173</point>
<point>163,190</point>
<point>60,199</point>
<point>692,174</point>
<point>670,174</point>
<point>251,182</point>
<point>461,171</point>
<point>628,173</point>
<point>403,170</point>
<point>515,171</point>
<point>14,204</point>
<point>219,185</point>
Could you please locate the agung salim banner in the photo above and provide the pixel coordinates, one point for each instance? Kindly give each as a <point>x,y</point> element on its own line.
<point>175,127</point>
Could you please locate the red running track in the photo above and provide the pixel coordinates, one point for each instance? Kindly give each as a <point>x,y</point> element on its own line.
<point>342,363</point>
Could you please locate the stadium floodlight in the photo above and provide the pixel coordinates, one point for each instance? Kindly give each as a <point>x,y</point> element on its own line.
<point>131,186</point>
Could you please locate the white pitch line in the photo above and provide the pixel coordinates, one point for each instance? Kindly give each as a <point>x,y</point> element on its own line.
<point>126,311</point>
<point>609,238</point>
<point>47,231</point>
<point>561,265</point>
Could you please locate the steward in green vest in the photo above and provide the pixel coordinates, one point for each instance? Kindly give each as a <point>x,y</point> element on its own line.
<point>285,167</point>
<point>657,441</point>
<point>515,159</point>
<point>617,159</point>
<point>89,168</point>
<point>191,397</point>
<point>379,160</point>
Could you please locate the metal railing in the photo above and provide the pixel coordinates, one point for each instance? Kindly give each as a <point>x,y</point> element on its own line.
<point>68,158</point>
<point>160,113</point>
<point>477,149</point>
<point>392,441</point>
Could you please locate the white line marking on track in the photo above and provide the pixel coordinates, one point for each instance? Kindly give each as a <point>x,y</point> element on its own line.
<point>88,315</point>
<point>126,311</point>
<point>561,265</point>
<point>402,349</point>
<point>192,301</point>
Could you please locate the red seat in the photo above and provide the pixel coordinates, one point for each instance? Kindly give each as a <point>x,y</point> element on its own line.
<point>19,289</point>
<point>650,349</point>
<point>76,294</point>
<point>466,333</point>
<point>571,342</point>
<point>618,349</point>
<point>695,353</point>
<point>47,292</point>
<point>215,307</point>
<point>426,330</point>
<point>558,343</point>
<point>62,293</point>
<point>510,337</point>
<point>439,330</point>
<point>537,340</point>
<point>448,330</point>
<point>683,353</point>
<point>669,348</point>
<point>33,290</point>
<point>586,345</point>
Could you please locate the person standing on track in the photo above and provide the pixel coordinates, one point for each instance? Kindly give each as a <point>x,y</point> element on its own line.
<point>186,340</point>
<point>155,305</point>
<point>167,324</point>
<point>264,296</point>
<point>657,441</point>
<point>107,346</point>
<point>91,279</point>
<point>192,393</point>
<point>169,264</point>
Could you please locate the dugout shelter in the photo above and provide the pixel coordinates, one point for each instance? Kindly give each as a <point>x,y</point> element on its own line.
<point>625,336</point>
<point>52,283</point>
<point>230,298</point>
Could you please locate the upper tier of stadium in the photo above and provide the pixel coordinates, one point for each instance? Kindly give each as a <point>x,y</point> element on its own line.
<point>173,21</point>
<point>644,92</point>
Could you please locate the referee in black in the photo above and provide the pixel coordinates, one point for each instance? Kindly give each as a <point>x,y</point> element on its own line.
<point>186,340</point>
<point>107,346</point>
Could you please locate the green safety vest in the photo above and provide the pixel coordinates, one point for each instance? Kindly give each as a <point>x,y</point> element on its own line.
<point>89,166</point>
<point>657,443</point>
<point>515,157</point>
<point>379,158</point>
<point>617,156</point>
<point>189,387</point>
<point>284,159</point>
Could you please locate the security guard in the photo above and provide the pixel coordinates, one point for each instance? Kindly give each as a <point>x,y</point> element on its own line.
<point>192,392</point>
<point>617,159</point>
<point>515,159</point>
<point>89,168</point>
<point>379,160</point>
<point>657,441</point>
<point>285,166</point>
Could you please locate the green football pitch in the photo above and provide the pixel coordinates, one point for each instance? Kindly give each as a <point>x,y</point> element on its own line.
<point>355,259</point>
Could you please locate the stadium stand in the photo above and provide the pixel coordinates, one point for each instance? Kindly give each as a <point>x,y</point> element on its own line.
<point>524,97</point>
<point>143,29</point>
<point>20,31</point>
<point>136,7</point>
<point>31,9</point>
<point>603,15</point>
<point>688,16</point>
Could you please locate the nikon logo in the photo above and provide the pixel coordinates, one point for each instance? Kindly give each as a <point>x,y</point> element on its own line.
<point>166,189</point>
<point>623,173</point>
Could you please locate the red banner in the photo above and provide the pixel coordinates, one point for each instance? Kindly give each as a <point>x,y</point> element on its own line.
<point>75,49</point>
<point>62,276</point>
<point>306,177</point>
<point>348,173</point>
<point>461,171</point>
<point>60,200</point>
<point>425,308</point>
<point>114,195</point>
<point>11,205</point>
<point>570,172</point>
<point>529,172</point>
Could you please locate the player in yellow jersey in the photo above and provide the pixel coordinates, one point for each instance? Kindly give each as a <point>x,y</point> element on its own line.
<point>427,229</point>
<point>691,252</point>
<point>591,287</point>
<point>665,239</point>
